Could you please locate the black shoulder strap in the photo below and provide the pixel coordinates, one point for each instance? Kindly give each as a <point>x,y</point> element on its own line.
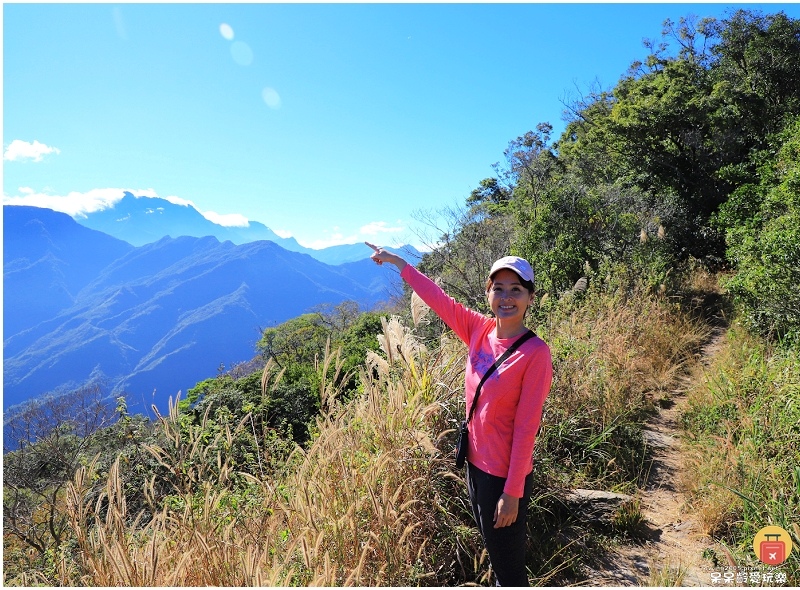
<point>511,349</point>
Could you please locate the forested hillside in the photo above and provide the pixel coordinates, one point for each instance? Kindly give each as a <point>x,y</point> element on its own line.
<point>667,209</point>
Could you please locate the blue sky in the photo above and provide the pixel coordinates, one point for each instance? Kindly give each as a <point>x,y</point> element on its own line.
<point>333,123</point>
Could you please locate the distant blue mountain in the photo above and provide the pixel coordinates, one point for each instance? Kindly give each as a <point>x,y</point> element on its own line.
<point>47,260</point>
<point>155,319</point>
<point>143,220</point>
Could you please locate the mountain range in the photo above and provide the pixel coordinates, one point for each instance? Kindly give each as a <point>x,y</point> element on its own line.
<point>143,220</point>
<point>153,319</point>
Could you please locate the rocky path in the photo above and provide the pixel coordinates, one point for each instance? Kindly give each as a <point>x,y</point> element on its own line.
<point>671,554</point>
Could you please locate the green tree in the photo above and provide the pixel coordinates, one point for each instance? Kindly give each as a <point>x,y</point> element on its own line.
<point>665,119</point>
<point>757,61</point>
<point>489,197</point>
<point>289,405</point>
<point>682,126</point>
<point>763,233</point>
<point>588,147</point>
<point>298,340</point>
<point>355,341</point>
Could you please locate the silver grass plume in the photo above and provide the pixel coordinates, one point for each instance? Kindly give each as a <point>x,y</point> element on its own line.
<point>419,309</point>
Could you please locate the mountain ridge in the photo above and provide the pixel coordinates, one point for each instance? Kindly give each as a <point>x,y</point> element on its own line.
<point>141,220</point>
<point>161,316</point>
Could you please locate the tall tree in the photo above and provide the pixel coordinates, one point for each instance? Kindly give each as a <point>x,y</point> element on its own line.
<point>757,60</point>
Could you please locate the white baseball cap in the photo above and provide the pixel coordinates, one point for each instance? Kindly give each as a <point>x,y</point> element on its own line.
<point>519,265</point>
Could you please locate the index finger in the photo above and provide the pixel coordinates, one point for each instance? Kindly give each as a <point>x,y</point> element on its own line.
<point>373,246</point>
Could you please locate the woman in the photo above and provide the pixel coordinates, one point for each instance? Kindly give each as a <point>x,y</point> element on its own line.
<point>506,417</point>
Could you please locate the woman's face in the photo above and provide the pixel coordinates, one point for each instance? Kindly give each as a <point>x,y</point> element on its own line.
<point>507,297</point>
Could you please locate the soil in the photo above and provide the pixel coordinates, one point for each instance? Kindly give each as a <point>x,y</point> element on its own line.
<point>670,550</point>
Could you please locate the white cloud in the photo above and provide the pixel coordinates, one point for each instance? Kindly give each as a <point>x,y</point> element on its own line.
<point>379,227</point>
<point>179,201</point>
<point>223,219</point>
<point>24,150</point>
<point>75,203</point>
<point>79,204</point>
<point>226,220</point>
<point>335,239</point>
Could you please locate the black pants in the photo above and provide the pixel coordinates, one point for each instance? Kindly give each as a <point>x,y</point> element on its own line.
<point>506,545</point>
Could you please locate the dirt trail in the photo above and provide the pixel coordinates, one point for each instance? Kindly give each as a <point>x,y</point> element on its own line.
<point>672,553</point>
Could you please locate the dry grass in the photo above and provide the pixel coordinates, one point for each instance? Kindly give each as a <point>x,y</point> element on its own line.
<point>613,351</point>
<point>195,538</point>
<point>362,508</point>
<point>664,574</point>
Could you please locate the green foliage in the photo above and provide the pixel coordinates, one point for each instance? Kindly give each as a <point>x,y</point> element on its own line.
<point>642,170</point>
<point>359,338</point>
<point>278,407</point>
<point>682,128</point>
<point>664,117</point>
<point>288,408</point>
<point>763,231</point>
<point>490,197</point>
<point>298,344</point>
<point>756,62</point>
<point>577,448</point>
<point>299,340</point>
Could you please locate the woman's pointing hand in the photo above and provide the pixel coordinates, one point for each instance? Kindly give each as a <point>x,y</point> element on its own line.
<point>381,255</point>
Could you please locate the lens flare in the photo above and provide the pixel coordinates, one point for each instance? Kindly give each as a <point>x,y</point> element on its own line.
<point>271,97</point>
<point>226,31</point>
<point>242,54</point>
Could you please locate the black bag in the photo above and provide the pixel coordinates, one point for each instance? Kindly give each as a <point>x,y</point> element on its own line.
<point>463,434</point>
<point>462,444</point>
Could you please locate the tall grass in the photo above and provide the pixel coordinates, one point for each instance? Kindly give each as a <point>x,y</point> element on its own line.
<point>744,425</point>
<point>616,356</point>
<point>374,499</point>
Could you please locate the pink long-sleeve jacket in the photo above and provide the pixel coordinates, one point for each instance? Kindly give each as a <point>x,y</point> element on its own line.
<point>504,426</point>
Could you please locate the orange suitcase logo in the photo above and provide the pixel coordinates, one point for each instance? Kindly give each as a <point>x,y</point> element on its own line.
<point>772,545</point>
